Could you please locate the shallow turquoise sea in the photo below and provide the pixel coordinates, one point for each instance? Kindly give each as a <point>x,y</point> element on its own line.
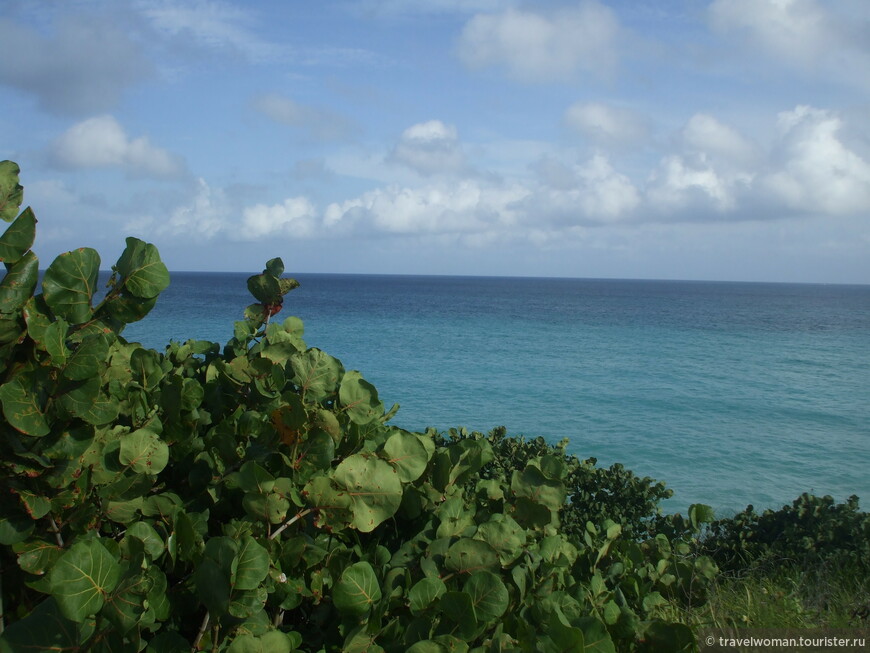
<point>731,393</point>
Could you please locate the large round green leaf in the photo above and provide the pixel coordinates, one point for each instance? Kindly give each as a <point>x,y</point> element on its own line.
<point>275,267</point>
<point>18,237</point>
<point>86,399</point>
<point>265,288</point>
<point>142,272</point>
<point>126,605</point>
<point>85,362</point>
<point>19,283</point>
<point>22,410</point>
<point>455,518</point>
<point>596,638</point>
<point>560,637</point>
<point>316,373</point>
<point>468,556</point>
<point>37,556</point>
<point>54,342</point>
<point>36,316</point>
<point>408,454</point>
<point>359,398</point>
<point>82,577</point>
<point>150,538</point>
<point>488,595</point>
<point>504,535</point>
<point>15,527</point>
<point>424,593</point>
<point>357,590</point>
<point>273,641</point>
<point>11,330</point>
<point>144,452</point>
<point>213,586</point>
<point>269,507</point>
<point>126,308</point>
<point>145,368</point>
<point>532,484</point>
<point>11,192</point>
<point>252,564</point>
<point>316,452</point>
<point>69,284</point>
<point>459,610</point>
<point>374,488</point>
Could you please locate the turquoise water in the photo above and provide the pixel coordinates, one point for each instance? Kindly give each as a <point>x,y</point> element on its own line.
<point>731,393</point>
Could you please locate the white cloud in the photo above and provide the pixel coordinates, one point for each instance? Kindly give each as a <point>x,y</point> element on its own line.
<point>82,67</point>
<point>794,29</point>
<point>543,46</point>
<point>826,38</point>
<point>592,193</point>
<point>677,186</point>
<point>705,134</point>
<point>101,142</point>
<point>211,24</point>
<point>430,148</point>
<point>206,214</point>
<point>807,169</point>
<point>235,28</point>
<point>465,207</point>
<point>316,122</point>
<point>710,175</point>
<point>604,124</point>
<point>814,170</point>
<point>713,174</point>
<point>410,7</point>
<point>296,217</point>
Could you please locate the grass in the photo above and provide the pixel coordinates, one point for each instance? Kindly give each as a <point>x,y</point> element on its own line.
<point>784,595</point>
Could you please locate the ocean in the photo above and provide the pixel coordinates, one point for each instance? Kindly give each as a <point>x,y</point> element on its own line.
<point>731,393</point>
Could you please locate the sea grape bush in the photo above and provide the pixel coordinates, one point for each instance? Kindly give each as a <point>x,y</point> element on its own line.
<point>594,494</point>
<point>810,531</point>
<point>255,497</point>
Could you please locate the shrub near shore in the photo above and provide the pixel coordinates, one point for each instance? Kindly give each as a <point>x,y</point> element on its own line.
<point>254,497</point>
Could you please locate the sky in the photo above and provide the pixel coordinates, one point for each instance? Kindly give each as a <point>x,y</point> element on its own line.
<point>682,139</point>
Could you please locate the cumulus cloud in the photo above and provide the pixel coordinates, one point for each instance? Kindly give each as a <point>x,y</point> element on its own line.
<point>536,46</point>
<point>315,122</point>
<point>709,136</point>
<point>715,167</point>
<point>466,207</point>
<point>206,214</point>
<point>587,194</point>
<point>430,148</point>
<point>82,67</point>
<point>604,124</point>
<point>816,37</point>
<point>714,174</point>
<point>813,169</point>
<point>679,185</point>
<point>807,169</point>
<point>101,142</point>
<point>295,217</point>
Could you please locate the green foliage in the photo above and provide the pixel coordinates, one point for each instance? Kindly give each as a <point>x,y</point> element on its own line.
<point>255,497</point>
<point>810,531</point>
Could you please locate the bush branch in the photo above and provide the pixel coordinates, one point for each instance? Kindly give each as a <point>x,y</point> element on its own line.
<point>296,517</point>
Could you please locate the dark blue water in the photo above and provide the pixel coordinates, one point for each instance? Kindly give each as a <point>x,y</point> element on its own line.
<point>732,393</point>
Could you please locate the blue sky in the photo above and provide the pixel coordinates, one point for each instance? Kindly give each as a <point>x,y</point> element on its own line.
<point>723,139</point>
